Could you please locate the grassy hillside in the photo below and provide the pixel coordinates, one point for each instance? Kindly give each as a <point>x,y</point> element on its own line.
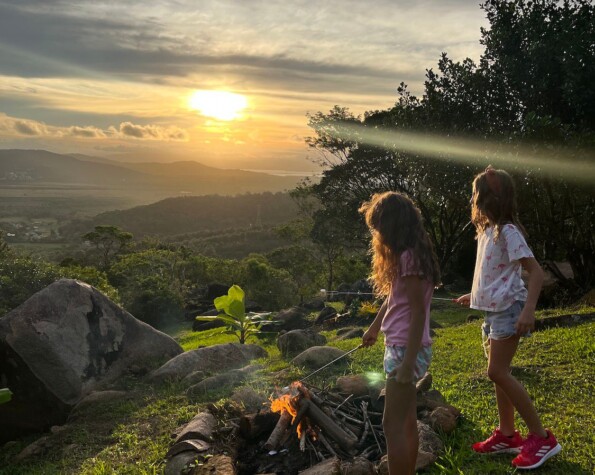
<point>556,365</point>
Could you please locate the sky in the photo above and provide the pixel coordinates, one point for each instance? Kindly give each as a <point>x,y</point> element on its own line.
<point>118,79</point>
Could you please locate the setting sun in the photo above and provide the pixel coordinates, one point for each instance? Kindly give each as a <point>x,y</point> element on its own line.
<point>220,105</point>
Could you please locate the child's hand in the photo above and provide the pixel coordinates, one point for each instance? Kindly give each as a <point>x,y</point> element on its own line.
<point>526,322</point>
<point>369,337</point>
<point>464,300</point>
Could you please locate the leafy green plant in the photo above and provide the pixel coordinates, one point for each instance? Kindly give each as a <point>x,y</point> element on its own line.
<point>5,395</point>
<point>368,308</point>
<point>233,313</point>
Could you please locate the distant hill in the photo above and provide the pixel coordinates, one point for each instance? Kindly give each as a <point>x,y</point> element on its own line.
<point>41,166</point>
<point>195,214</point>
<point>35,167</point>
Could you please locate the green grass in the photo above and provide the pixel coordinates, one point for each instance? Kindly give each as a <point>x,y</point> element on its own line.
<point>556,366</point>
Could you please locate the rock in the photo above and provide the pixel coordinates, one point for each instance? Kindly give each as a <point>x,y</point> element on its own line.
<point>63,343</point>
<point>382,467</point>
<point>325,314</point>
<point>425,383</point>
<point>294,342</point>
<point>230,378</point>
<point>424,460</point>
<point>178,464</point>
<point>330,466</point>
<point>442,419</point>
<point>356,384</point>
<point>314,304</point>
<point>213,359</point>
<point>35,449</point>
<point>215,465</point>
<point>318,356</point>
<point>357,466</point>
<point>252,400</point>
<point>290,319</point>
<point>428,439</point>
<point>194,378</point>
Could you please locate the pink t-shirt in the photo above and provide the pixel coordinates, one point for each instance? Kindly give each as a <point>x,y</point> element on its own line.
<point>396,321</point>
<point>497,282</point>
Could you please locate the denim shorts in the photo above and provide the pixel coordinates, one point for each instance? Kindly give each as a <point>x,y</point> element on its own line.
<point>500,325</point>
<point>394,355</point>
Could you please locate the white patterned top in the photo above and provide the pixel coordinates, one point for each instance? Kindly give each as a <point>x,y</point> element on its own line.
<point>497,282</point>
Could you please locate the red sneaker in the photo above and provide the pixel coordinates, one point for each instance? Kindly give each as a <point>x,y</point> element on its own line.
<point>498,443</point>
<point>536,450</point>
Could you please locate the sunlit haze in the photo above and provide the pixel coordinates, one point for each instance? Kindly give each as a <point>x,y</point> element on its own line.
<point>220,105</point>
<point>227,83</point>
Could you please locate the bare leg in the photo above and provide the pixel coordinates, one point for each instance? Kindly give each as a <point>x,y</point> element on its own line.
<point>400,427</point>
<point>505,406</point>
<point>501,353</point>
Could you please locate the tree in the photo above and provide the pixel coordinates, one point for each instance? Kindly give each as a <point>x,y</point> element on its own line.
<point>530,94</point>
<point>109,241</point>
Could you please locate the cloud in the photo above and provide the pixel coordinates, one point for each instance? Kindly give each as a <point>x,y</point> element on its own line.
<point>15,127</point>
<point>86,132</point>
<point>152,132</point>
<point>29,127</point>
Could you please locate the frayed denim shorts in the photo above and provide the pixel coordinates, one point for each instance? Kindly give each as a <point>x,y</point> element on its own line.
<point>500,325</point>
<point>394,355</point>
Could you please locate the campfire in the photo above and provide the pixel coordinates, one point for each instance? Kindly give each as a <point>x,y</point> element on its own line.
<point>313,425</point>
<point>312,431</point>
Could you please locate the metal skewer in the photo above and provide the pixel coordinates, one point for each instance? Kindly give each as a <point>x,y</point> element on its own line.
<point>328,364</point>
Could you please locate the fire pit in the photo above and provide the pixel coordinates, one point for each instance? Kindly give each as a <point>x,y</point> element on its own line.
<point>312,425</point>
<point>308,430</point>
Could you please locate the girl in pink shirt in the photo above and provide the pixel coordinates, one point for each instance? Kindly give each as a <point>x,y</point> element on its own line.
<point>509,309</point>
<point>404,270</point>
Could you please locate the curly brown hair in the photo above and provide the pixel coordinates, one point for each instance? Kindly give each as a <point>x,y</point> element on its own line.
<point>396,225</point>
<point>493,202</point>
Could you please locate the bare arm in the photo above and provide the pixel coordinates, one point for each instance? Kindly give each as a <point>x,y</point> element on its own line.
<point>415,296</point>
<point>371,334</point>
<point>526,321</point>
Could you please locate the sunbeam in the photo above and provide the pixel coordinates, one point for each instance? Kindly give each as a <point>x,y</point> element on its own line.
<point>467,151</point>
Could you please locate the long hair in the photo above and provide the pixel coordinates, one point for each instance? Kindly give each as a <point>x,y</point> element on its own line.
<point>396,225</point>
<point>494,202</point>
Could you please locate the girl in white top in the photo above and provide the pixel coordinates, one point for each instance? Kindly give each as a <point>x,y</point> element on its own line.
<point>498,289</point>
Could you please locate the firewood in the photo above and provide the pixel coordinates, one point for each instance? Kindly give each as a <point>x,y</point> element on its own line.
<point>278,431</point>
<point>329,427</point>
<point>253,425</point>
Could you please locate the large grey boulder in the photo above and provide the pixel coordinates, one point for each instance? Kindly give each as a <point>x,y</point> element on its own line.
<point>292,318</point>
<point>318,356</point>
<point>212,359</point>
<point>294,342</point>
<point>63,343</point>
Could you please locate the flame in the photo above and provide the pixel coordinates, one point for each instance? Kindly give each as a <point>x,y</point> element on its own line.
<point>290,403</point>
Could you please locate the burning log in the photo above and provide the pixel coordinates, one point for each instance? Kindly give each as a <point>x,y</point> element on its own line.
<point>328,426</point>
<point>278,431</point>
<point>253,425</point>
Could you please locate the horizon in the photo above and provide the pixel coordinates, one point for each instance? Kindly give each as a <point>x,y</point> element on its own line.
<point>228,86</point>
